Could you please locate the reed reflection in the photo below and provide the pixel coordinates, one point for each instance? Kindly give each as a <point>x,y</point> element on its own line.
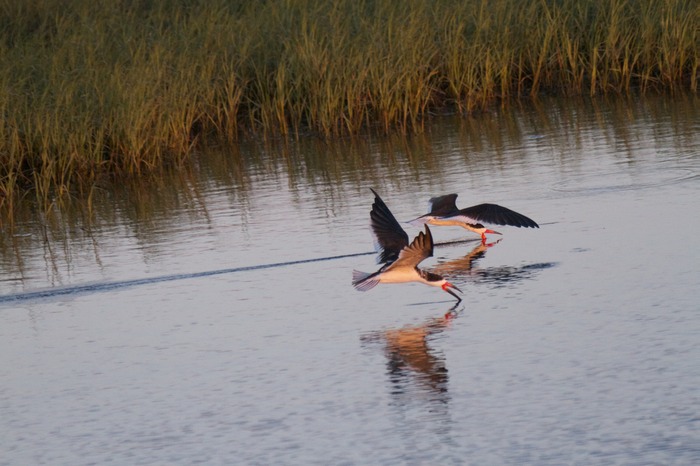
<point>46,244</point>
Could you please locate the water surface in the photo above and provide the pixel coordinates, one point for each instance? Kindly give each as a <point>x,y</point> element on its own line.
<point>208,316</point>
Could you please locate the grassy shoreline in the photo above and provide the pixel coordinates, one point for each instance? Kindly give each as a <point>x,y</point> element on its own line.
<point>94,89</point>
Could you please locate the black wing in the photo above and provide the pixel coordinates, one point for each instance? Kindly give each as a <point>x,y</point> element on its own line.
<point>498,215</point>
<point>389,237</point>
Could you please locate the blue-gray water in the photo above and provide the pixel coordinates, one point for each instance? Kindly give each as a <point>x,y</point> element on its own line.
<point>208,317</point>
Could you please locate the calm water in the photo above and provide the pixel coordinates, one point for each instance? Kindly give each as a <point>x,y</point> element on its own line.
<point>208,316</point>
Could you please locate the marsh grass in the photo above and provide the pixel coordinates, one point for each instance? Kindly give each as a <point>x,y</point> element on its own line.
<point>93,89</point>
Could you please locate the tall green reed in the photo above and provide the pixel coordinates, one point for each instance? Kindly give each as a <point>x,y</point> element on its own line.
<point>92,90</point>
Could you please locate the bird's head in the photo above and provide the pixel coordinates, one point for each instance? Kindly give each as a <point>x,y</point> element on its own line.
<point>448,287</point>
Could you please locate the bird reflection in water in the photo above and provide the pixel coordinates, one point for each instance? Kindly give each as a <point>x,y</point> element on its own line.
<point>409,356</point>
<point>416,372</point>
<point>463,266</point>
<point>417,379</point>
<point>464,269</point>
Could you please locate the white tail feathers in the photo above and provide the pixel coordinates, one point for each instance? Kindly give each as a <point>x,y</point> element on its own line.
<point>363,281</point>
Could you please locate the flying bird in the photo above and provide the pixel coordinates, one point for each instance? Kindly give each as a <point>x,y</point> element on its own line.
<point>444,212</point>
<point>400,258</point>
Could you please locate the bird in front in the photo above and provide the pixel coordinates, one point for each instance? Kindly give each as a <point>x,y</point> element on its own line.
<point>400,258</point>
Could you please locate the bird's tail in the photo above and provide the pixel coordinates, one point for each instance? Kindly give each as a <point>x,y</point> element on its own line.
<point>363,281</point>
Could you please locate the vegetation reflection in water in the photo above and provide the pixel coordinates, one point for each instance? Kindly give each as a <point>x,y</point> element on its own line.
<point>148,209</point>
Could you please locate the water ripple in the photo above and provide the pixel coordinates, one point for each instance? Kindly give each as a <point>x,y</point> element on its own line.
<point>611,182</point>
<point>108,286</point>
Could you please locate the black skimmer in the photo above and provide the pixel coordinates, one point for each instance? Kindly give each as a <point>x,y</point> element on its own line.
<point>400,258</point>
<point>444,211</point>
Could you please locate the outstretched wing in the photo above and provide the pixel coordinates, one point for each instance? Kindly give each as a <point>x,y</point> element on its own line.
<point>389,237</point>
<point>420,248</point>
<point>496,214</point>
